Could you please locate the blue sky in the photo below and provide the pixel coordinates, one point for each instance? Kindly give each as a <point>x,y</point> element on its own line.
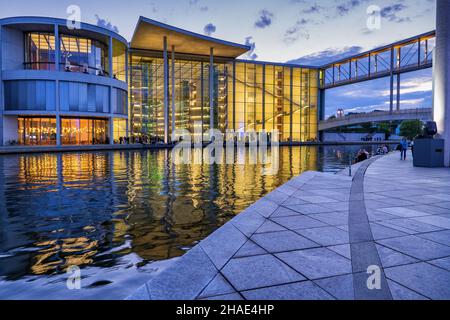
<point>281,30</point>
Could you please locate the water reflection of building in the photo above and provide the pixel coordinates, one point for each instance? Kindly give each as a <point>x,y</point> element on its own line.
<point>82,209</point>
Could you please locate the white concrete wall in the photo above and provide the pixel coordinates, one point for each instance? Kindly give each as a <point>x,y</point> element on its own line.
<point>441,74</point>
<point>10,127</point>
<point>13,49</point>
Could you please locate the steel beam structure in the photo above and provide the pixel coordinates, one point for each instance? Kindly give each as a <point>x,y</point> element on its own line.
<point>394,59</point>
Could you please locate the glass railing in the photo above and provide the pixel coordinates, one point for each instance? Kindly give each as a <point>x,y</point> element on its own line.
<point>44,66</point>
<point>73,67</point>
<point>50,66</point>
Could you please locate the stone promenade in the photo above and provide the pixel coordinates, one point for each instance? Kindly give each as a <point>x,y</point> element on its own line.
<point>316,236</point>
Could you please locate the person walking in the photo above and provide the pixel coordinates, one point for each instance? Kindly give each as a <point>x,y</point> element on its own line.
<point>404,149</point>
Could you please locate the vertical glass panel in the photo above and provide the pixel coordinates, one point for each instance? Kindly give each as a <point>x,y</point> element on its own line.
<point>147,98</point>
<point>119,60</point>
<point>83,55</point>
<point>40,51</point>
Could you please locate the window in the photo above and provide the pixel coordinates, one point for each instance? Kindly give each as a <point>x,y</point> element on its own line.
<point>40,51</point>
<point>119,61</point>
<point>37,131</point>
<point>76,131</point>
<point>83,55</point>
<point>120,130</point>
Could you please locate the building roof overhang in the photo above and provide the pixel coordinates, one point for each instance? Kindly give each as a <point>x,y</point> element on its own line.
<point>149,35</point>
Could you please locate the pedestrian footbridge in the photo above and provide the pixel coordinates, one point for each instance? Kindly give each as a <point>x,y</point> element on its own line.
<point>423,114</point>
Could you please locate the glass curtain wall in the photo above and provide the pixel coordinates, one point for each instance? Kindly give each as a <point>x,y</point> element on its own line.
<point>274,97</point>
<point>40,51</point>
<point>119,60</point>
<point>147,97</point>
<point>247,97</point>
<point>192,98</point>
<point>36,131</point>
<point>83,55</point>
<point>76,131</point>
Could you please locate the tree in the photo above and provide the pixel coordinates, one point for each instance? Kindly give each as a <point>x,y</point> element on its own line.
<point>411,128</point>
<point>368,127</point>
<point>385,127</point>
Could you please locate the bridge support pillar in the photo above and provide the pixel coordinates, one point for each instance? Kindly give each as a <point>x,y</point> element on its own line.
<point>441,73</point>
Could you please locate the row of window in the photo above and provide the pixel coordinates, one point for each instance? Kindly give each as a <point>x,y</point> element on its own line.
<point>40,95</point>
<point>74,131</point>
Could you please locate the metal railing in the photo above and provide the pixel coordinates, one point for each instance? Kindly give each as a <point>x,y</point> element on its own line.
<point>379,113</point>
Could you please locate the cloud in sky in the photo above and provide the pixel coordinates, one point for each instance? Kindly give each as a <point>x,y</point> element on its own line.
<point>297,31</point>
<point>391,13</point>
<point>328,55</point>
<point>345,7</point>
<point>209,29</point>
<point>106,24</point>
<point>265,19</point>
<point>251,55</point>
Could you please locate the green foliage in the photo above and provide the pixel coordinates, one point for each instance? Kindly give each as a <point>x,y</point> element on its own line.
<point>386,128</point>
<point>411,128</point>
<point>368,127</point>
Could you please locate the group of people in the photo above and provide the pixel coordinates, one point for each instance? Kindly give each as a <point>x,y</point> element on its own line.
<point>382,150</point>
<point>139,140</point>
<point>363,154</point>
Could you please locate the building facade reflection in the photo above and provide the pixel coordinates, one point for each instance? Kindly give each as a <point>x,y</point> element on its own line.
<point>83,209</point>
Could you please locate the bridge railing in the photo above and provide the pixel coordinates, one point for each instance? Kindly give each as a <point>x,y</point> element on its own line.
<point>417,111</point>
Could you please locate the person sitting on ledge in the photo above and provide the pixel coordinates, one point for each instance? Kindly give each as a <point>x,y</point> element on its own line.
<point>363,155</point>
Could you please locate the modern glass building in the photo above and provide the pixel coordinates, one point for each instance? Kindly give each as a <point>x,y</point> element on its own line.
<point>64,86</point>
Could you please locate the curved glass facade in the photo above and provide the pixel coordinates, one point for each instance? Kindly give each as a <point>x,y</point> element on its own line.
<point>83,55</point>
<point>40,51</point>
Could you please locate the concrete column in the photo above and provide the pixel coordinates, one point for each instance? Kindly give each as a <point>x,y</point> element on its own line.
<point>441,107</point>
<point>58,130</point>
<point>263,96</point>
<point>1,89</point>
<point>110,56</point>
<point>398,91</point>
<point>391,101</point>
<point>234,97</point>
<point>173,89</point>
<point>166,92</point>
<point>126,65</point>
<point>111,130</point>
<point>211,89</point>
<point>57,49</point>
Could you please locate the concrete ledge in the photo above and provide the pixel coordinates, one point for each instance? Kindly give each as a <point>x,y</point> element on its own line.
<point>55,149</point>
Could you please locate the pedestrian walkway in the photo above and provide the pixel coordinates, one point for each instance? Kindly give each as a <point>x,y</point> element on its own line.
<point>316,236</point>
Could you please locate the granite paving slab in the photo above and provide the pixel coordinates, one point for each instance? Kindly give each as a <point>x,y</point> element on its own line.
<point>259,271</point>
<point>317,263</point>
<point>296,291</point>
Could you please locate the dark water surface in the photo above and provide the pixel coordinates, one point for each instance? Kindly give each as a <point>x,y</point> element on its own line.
<point>121,216</point>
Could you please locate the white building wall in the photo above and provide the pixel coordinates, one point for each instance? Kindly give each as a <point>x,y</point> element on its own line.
<point>13,49</point>
<point>10,127</point>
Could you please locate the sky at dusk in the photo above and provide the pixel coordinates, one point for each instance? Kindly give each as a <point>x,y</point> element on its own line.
<point>279,30</point>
